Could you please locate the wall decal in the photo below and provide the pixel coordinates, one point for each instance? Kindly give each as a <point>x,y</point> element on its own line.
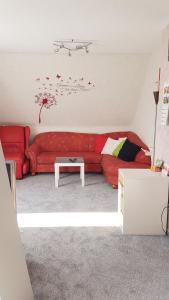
<point>45,100</point>
<point>58,86</point>
<point>58,76</point>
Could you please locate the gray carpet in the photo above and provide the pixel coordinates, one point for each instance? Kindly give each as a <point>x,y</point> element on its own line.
<point>38,194</point>
<point>93,264</point>
<point>88,263</point>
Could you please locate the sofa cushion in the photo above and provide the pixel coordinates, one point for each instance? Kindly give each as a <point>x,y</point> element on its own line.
<point>109,163</point>
<point>66,142</point>
<point>13,136</point>
<point>100,142</point>
<point>18,157</point>
<point>110,146</point>
<point>133,137</point>
<point>119,147</point>
<point>50,157</point>
<point>128,151</point>
<point>112,164</point>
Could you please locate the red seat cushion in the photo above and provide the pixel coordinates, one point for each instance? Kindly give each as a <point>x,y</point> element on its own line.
<point>111,165</point>
<point>50,157</point>
<point>18,157</point>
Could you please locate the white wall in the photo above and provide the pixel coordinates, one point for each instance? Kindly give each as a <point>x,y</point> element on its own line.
<point>14,279</point>
<point>162,141</point>
<point>110,105</point>
<point>143,122</point>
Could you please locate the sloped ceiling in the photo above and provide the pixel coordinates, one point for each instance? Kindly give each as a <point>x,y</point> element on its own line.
<point>124,33</point>
<point>119,26</point>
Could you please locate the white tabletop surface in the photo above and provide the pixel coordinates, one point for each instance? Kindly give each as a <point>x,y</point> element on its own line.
<point>139,173</point>
<point>67,160</point>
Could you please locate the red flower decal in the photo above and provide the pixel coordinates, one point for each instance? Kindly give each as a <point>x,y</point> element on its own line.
<point>45,100</point>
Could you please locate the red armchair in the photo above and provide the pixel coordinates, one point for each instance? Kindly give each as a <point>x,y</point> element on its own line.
<point>15,140</point>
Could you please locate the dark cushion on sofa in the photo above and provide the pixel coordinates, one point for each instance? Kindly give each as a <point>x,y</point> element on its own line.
<point>129,151</point>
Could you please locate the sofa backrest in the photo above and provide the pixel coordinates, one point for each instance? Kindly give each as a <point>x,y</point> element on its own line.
<point>133,137</point>
<point>14,138</point>
<point>66,141</point>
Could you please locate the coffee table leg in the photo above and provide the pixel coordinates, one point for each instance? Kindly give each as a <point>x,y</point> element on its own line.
<point>82,175</point>
<point>56,176</point>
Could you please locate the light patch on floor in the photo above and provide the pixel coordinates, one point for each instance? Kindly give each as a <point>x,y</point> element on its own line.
<point>69,219</point>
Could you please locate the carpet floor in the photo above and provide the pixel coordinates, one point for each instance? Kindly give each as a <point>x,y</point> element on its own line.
<point>38,194</point>
<point>88,263</point>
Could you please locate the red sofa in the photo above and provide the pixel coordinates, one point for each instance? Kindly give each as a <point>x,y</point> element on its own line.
<point>111,164</point>
<point>15,140</point>
<point>49,145</point>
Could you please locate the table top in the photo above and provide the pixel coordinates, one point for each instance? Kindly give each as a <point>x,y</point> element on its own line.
<point>140,174</point>
<point>69,160</point>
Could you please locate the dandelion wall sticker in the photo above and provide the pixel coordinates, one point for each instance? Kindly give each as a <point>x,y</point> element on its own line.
<point>52,87</point>
<point>45,100</point>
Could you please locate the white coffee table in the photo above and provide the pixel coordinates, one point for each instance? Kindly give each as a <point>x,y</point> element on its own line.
<point>67,162</point>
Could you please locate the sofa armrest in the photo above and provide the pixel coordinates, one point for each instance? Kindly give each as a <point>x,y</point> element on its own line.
<point>142,158</point>
<point>32,152</point>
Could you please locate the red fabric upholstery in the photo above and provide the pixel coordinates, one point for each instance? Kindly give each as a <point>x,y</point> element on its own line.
<point>50,157</point>
<point>111,165</point>
<point>100,142</point>
<point>47,146</point>
<point>65,141</point>
<point>32,153</point>
<point>142,158</point>
<point>17,156</point>
<point>15,139</point>
<point>26,166</point>
<point>89,168</point>
<point>130,135</point>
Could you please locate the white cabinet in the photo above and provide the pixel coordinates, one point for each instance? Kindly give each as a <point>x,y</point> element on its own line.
<point>142,195</point>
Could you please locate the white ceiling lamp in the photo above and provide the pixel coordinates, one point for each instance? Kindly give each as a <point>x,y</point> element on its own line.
<point>71,45</point>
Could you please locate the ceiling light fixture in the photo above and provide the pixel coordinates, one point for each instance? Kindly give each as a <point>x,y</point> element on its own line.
<point>71,45</point>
